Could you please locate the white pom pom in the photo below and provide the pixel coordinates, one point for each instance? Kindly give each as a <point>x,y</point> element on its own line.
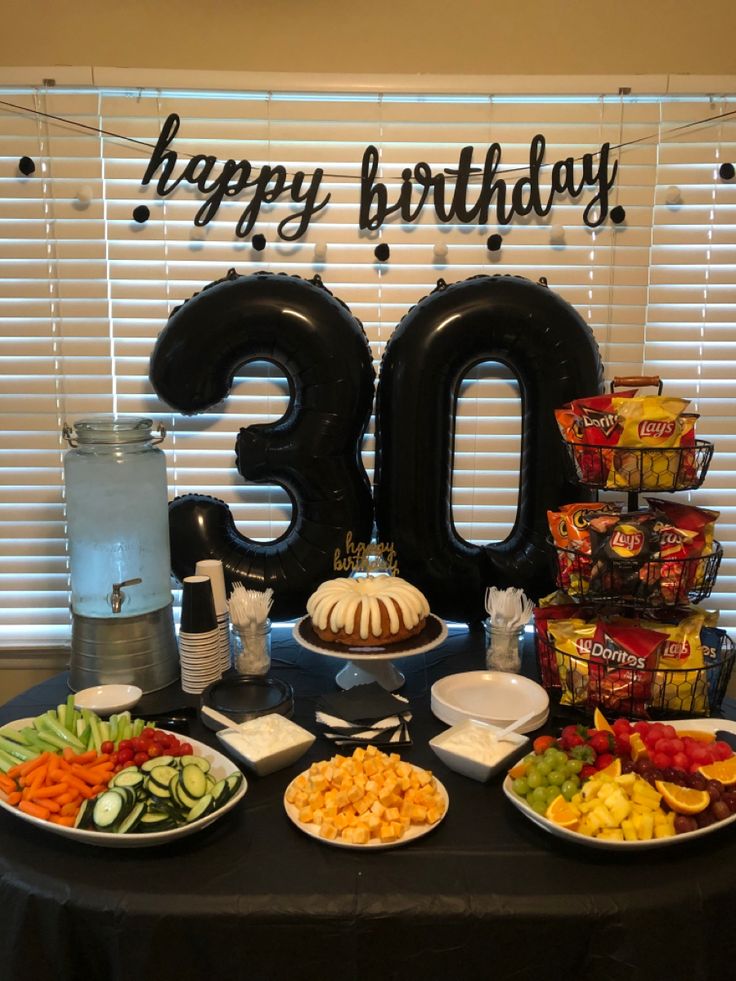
<point>557,234</point>
<point>84,196</point>
<point>440,250</point>
<point>320,251</point>
<point>673,195</point>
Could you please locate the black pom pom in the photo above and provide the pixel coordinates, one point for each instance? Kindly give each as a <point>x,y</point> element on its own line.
<point>494,243</point>
<point>382,252</point>
<point>727,171</point>
<point>141,214</point>
<point>258,242</point>
<point>618,214</point>
<point>26,166</point>
<point>406,174</point>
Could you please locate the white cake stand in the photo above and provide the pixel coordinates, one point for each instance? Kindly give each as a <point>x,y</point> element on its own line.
<point>367,664</point>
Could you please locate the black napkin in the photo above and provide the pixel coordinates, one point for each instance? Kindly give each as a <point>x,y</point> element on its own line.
<point>362,715</point>
<point>363,703</point>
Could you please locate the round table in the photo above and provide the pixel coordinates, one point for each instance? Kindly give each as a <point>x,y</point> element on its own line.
<point>486,895</point>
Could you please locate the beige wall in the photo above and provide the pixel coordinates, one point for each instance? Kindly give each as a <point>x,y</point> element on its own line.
<point>444,36</point>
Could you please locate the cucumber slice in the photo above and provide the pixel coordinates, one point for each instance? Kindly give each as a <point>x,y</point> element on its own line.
<point>84,814</point>
<point>155,821</point>
<point>157,761</point>
<point>129,823</point>
<point>199,761</point>
<point>220,793</point>
<point>156,790</point>
<point>127,778</point>
<point>107,810</point>
<point>163,775</point>
<point>234,781</point>
<point>193,781</point>
<point>203,806</point>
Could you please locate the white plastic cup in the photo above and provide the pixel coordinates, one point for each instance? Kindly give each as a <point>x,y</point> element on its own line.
<point>213,569</point>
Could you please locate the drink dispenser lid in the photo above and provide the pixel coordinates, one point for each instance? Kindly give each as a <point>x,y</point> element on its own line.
<point>113,430</point>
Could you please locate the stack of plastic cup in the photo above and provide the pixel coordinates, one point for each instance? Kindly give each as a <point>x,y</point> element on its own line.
<point>199,637</point>
<point>213,569</point>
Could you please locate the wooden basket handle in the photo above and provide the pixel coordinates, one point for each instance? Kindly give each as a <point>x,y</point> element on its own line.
<point>636,381</point>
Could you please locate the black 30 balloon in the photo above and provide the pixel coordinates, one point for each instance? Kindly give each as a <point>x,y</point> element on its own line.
<point>552,352</point>
<point>313,451</point>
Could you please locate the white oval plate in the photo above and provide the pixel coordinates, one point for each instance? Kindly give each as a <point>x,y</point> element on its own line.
<point>414,832</point>
<point>495,697</point>
<point>107,699</point>
<point>710,725</point>
<point>221,767</point>
<point>419,644</point>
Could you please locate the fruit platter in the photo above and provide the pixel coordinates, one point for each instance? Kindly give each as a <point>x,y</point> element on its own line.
<point>629,784</point>
<point>118,783</point>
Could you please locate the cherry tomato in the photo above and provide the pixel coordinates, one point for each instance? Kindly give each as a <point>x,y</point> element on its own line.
<point>160,736</point>
<point>138,745</point>
<point>154,749</point>
<point>108,746</point>
<point>140,758</point>
<point>148,733</point>
<point>124,744</point>
<point>186,749</point>
<point>543,742</point>
<point>125,756</point>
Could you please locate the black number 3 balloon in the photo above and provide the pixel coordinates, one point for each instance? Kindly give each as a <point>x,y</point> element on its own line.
<point>552,352</point>
<point>313,451</point>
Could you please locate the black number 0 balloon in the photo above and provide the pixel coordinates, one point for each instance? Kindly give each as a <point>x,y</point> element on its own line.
<point>552,352</point>
<point>313,451</point>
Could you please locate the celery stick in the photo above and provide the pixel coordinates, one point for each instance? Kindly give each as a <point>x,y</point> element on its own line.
<point>19,752</point>
<point>7,762</point>
<point>69,713</point>
<point>104,731</point>
<point>114,728</point>
<point>95,724</point>
<point>13,734</point>
<point>138,725</point>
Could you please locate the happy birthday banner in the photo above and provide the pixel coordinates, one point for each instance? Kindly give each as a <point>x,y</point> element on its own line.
<point>461,203</point>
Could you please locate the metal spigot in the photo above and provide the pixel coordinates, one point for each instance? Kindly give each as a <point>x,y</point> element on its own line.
<point>117,596</point>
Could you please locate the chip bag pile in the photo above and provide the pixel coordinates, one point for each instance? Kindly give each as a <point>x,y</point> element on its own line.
<point>654,558</point>
<point>630,442</point>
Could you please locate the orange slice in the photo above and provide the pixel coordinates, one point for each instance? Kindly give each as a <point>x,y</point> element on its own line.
<point>723,770</point>
<point>601,722</point>
<point>518,770</point>
<point>613,770</point>
<point>637,747</point>
<point>683,800</point>
<point>562,812</point>
<point>702,737</point>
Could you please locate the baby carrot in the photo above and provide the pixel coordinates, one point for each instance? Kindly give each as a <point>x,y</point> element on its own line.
<point>67,822</point>
<point>15,798</point>
<point>35,810</point>
<point>31,765</point>
<point>7,784</point>
<point>51,790</point>
<point>69,809</point>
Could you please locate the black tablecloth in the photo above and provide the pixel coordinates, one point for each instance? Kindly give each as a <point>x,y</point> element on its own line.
<point>487,894</point>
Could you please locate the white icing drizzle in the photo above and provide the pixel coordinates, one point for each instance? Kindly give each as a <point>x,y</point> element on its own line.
<point>337,601</point>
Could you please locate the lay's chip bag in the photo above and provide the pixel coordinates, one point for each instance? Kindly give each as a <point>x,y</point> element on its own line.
<point>680,682</point>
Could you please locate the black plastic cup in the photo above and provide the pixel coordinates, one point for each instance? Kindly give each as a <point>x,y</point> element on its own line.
<point>197,606</point>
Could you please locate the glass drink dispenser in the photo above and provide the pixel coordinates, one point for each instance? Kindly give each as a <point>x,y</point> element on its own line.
<point>118,530</point>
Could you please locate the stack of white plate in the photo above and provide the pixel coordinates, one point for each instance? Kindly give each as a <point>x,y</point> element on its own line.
<point>495,697</point>
<point>200,659</point>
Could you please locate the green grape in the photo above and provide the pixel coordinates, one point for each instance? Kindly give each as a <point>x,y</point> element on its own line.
<point>521,786</point>
<point>574,766</point>
<point>552,792</point>
<point>540,807</point>
<point>551,754</point>
<point>568,789</point>
<point>544,766</point>
<point>560,760</point>
<point>556,778</point>
<point>530,758</point>
<point>535,779</point>
<point>538,795</point>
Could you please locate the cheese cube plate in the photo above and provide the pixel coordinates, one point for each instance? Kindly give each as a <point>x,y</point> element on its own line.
<point>415,830</point>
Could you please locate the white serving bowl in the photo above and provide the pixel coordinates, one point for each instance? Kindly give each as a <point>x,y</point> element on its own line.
<point>461,757</point>
<point>248,743</point>
<point>495,697</point>
<point>108,699</point>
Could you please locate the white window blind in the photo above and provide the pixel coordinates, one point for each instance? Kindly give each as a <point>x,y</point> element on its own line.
<point>84,290</point>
